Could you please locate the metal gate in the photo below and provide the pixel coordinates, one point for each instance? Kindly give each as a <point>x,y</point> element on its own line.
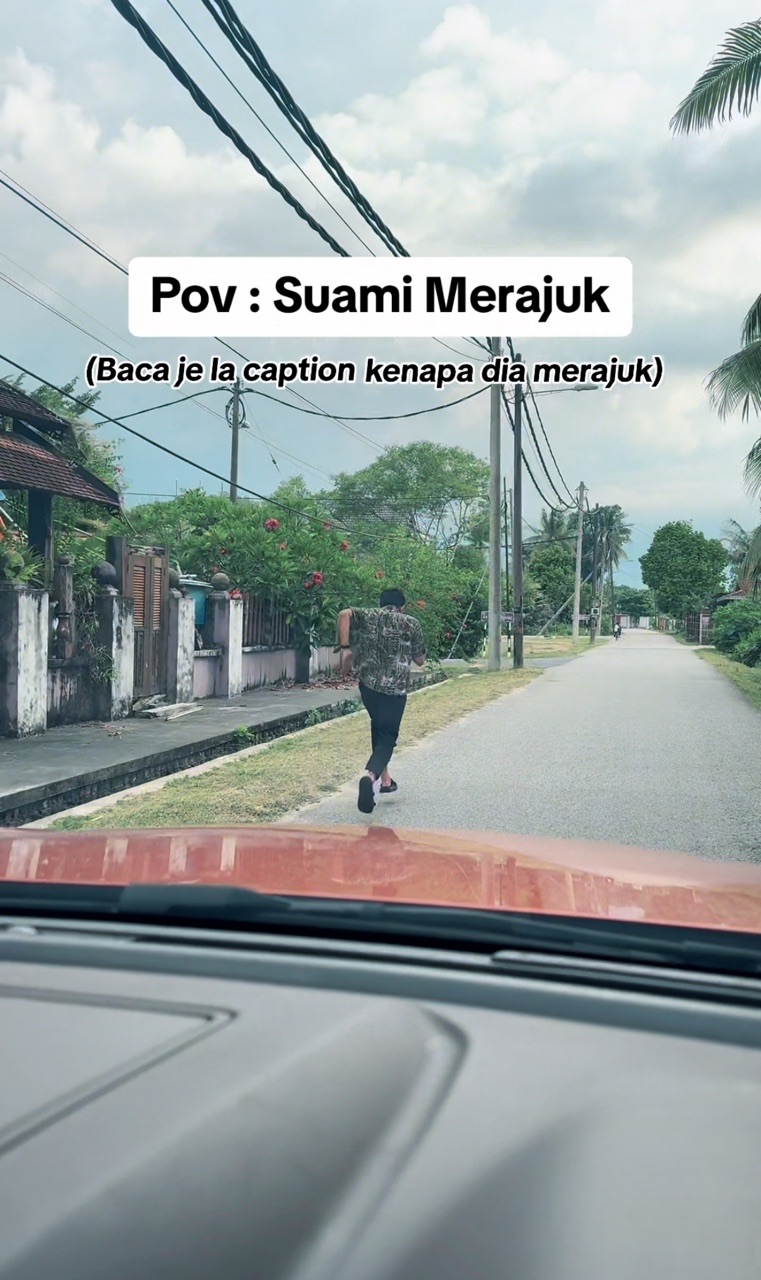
<point>148,585</point>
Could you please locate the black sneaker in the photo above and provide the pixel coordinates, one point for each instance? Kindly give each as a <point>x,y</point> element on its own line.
<point>366,798</point>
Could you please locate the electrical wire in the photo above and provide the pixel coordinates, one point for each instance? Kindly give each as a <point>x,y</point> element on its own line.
<point>149,37</point>
<point>252,55</point>
<point>247,48</point>
<point>173,453</point>
<point>549,446</point>
<point>376,417</point>
<point>215,475</point>
<point>22,193</point>
<point>540,456</point>
<point>27,293</point>
<point>526,463</point>
<point>69,301</point>
<point>265,126</point>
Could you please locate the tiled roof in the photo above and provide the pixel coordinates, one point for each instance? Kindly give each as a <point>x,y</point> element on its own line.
<point>26,465</point>
<point>14,404</point>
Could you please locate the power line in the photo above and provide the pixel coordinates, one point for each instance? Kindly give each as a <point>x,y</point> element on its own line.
<point>265,126</point>
<point>532,477</point>
<point>215,475</point>
<point>540,456</point>
<point>149,37</point>
<point>173,453</point>
<point>375,417</point>
<point>55,311</point>
<point>64,298</point>
<point>549,446</point>
<point>21,192</point>
<point>252,55</point>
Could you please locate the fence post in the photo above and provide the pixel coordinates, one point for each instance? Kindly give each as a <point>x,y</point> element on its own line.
<point>114,663</point>
<point>24,638</point>
<point>181,641</point>
<point>226,627</point>
<point>63,591</point>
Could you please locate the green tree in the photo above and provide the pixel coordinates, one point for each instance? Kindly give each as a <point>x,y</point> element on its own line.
<point>684,569</point>
<point>434,492</point>
<point>551,566</point>
<point>637,602</point>
<point>731,84</point>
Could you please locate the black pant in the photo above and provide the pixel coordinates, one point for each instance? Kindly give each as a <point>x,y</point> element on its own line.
<point>385,712</point>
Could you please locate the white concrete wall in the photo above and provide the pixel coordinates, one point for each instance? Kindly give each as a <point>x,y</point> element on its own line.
<point>181,640</point>
<point>267,666</point>
<point>205,673</point>
<point>259,667</point>
<point>24,622</point>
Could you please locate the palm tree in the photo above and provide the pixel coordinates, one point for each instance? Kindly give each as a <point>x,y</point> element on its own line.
<point>730,84</point>
<point>557,526</point>
<point>744,550</point>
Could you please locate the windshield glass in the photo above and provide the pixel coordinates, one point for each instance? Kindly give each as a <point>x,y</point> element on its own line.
<point>380,454</point>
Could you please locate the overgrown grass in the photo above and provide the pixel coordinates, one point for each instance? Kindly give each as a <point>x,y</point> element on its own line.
<point>746,678</point>
<point>296,770</point>
<point>556,646</point>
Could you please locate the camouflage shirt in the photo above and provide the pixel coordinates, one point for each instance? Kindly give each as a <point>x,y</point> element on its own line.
<point>384,643</point>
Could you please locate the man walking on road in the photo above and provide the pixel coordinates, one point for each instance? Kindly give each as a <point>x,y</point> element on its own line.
<point>381,644</point>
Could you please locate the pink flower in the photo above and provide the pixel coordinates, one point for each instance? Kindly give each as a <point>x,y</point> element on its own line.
<point>343,546</point>
<point>283,546</point>
<point>327,525</point>
<point>318,579</point>
<point>379,573</point>
<point>272,525</point>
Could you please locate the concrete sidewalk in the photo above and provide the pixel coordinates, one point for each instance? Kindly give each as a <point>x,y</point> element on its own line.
<point>72,764</point>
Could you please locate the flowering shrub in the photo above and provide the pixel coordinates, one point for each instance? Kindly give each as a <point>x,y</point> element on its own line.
<point>199,527</point>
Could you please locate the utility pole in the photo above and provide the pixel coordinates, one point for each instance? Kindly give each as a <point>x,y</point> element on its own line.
<point>235,424</point>
<point>579,543</point>
<point>612,592</point>
<point>494,661</point>
<point>595,561</point>
<point>506,520</point>
<point>518,529</point>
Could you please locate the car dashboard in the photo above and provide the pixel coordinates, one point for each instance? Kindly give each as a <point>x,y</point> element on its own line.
<point>179,1103</point>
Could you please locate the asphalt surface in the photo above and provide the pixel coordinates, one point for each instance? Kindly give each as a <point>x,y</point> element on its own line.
<point>638,742</point>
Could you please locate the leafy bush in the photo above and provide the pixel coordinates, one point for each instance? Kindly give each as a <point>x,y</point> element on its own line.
<point>733,623</point>
<point>748,650</point>
<point>299,559</point>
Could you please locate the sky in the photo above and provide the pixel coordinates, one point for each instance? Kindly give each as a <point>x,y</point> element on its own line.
<point>474,129</point>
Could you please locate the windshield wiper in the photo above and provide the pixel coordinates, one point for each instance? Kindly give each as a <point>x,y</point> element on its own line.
<point>445,928</point>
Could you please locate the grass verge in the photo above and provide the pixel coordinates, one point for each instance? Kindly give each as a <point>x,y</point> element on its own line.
<point>555,646</point>
<point>746,678</point>
<point>296,770</point>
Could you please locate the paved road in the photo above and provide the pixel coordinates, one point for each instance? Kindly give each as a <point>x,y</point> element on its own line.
<point>638,742</point>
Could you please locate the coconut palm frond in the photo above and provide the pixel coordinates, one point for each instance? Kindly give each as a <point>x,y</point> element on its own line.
<point>730,84</point>
<point>737,381</point>
<point>753,469</point>
<point>750,569</point>
<point>752,323</point>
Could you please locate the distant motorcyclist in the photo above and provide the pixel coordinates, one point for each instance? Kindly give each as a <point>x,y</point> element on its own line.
<point>617,631</point>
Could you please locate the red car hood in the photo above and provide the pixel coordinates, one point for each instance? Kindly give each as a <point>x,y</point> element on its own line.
<point>502,872</point>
